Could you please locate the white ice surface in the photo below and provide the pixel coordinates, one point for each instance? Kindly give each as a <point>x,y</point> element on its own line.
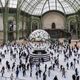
<point>57,72</point>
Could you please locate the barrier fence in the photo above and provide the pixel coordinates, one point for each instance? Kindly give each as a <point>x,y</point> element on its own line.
<point>8,78</point>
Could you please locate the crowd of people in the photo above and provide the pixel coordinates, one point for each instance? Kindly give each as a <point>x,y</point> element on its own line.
<point>64,63</point>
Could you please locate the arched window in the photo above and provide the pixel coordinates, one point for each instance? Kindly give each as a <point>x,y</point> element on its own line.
<point>73,27</point>
<point>53,25</point>
<point>35,25</point>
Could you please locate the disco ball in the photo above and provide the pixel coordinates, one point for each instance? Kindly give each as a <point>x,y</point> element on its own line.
<point>39,39</point>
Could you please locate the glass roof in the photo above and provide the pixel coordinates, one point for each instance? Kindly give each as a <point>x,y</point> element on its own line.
<point>39,7</point>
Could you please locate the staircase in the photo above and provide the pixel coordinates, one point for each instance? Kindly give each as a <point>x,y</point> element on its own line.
<point>38,57</point>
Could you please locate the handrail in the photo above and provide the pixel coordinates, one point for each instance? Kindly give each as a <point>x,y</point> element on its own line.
<point>39,54</point>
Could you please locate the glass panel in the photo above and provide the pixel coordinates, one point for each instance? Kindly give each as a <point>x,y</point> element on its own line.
<point>13,3</point>
<point>45,8</point>
<point>3,2</point>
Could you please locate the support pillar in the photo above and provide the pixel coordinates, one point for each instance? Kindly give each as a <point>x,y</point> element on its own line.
<point>17,19</point>
<point>23,26</point>
<point>5,22</point>
<point>17,26</point>
<point>28,25</point>
<point>41,25</point>
<point>5,28</point>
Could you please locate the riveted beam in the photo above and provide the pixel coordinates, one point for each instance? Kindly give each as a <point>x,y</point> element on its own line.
<point>43,7</point>
<point>49,5</point>
<point>62,6</point>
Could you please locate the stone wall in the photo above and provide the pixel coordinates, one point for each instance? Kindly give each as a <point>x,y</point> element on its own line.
<point>53,17</point>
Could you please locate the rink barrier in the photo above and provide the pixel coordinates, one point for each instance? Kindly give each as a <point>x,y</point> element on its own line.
<point>36,57</point>
<point>8,78</point>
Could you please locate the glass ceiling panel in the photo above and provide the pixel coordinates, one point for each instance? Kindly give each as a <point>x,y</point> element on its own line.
<point>67,7</point>
<point>78,1</point>
<point>60,7</point>
<point>13,3</point>
<point>3,2</point>
<point>39,6</point>
<point>52,5</point>
<point>45,8</point>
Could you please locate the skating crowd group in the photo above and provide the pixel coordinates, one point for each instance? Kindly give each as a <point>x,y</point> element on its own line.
<point>17,62</point>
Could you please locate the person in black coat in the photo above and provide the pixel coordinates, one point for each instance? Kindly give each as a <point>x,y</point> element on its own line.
<point>55,78</point>
<point>76,71</point>
<point>40,73</point>
<point>44,76</point>
<point>3,70</point>
<point>0,60</point>
<point>73,77</point>
<point>78,78</point>
<point>67,65</point>
<point>69,40</point>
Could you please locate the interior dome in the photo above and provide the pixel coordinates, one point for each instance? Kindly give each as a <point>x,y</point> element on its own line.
<point>39,35</point>
<point>39,7</point>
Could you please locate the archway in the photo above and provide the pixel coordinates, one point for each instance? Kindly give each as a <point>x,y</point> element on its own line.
<point>34,25</point>
<point>53,25</point>
<point>73,29</point>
